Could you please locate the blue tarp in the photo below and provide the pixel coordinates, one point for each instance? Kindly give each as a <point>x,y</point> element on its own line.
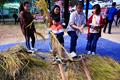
<point>104,47</point>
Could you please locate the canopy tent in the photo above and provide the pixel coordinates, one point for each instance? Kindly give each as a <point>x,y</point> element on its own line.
<point>11,5</point>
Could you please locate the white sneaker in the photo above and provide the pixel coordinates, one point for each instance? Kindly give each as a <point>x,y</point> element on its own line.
<point>30,51</point>
<point>51,50</point>
<point>63,24</point>
<point>93,53</point>
<point>73,54</point>
<point>89,52</point>
<point>34,49</point>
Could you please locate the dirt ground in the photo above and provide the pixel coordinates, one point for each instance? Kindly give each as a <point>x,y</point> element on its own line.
<point>10,33</point>
<point>115,36</point>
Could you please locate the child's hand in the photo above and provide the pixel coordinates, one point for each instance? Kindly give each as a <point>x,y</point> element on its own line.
<point>97,28</point>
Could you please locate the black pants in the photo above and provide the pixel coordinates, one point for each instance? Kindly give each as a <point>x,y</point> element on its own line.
<point>73,41</point>
<point>117,20</point>
<point>109,27</point>
<point>60,37</point>
<point>15,20</point>
<point>30,35</point>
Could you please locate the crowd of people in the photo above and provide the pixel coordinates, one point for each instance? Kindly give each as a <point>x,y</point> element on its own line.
<point>76,25</point>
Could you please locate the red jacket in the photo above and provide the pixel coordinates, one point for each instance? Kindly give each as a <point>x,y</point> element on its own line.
<point>102,22</point>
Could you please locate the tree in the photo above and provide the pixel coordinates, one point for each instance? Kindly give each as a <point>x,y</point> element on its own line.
<point>87,7</point>
<point>66,12</point>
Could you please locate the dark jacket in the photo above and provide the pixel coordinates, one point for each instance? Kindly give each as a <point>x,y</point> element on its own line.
<point>111,13</point>
<point>25,19</point>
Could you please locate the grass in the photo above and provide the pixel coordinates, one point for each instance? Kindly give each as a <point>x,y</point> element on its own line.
<point>103,68</point>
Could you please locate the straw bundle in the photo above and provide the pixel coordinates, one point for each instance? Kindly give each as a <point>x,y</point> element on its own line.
<point>17,64</point>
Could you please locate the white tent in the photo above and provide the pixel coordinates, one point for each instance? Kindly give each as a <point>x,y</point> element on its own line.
<point>11,5</point>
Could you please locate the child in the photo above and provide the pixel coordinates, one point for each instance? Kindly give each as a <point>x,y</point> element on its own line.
<point>95,24</point>
<point>56,26</point>
<point>75,25</point>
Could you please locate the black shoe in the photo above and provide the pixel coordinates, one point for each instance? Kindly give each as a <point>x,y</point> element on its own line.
<point>109,32</point>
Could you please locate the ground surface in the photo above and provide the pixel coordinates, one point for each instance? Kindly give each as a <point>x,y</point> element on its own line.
<point>10,33</point>
<point>108,44</point>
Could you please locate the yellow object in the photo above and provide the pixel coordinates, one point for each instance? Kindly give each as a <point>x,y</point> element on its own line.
<point>55,42</point>
<point>42,5</point>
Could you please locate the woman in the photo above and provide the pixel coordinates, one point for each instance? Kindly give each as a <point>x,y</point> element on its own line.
<point>28,30</point>
<point>56,26</point>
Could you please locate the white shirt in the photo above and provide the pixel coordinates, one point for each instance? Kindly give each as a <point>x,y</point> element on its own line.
<point>95,22</point>
<point>77,19</point>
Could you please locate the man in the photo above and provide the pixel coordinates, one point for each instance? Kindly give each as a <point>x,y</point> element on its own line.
<point>15,16</point>
<point>110,17</point>
<point>76,23</point>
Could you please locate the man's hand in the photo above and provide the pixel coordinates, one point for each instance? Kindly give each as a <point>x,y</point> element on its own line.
<point>81,29</point>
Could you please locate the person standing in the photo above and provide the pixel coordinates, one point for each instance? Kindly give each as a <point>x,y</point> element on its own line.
<point>25,18</point>
<point>15,16</point>
<point>118,18</point>
<point>56,27</point>
<point>76,22</point>
<point>95,24</point>
<point>110,17</point>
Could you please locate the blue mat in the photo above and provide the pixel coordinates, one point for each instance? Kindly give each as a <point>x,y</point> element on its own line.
<point>104,47</point>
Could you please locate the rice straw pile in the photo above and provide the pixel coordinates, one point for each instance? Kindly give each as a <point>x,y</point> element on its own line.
<point>17,64</point>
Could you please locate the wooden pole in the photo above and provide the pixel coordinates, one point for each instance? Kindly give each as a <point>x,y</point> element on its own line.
<point>62,72</point>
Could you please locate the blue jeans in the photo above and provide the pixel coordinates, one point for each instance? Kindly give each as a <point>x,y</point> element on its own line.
<point>29,35</point>
<point>92,41</point>
<point>73,41</point>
